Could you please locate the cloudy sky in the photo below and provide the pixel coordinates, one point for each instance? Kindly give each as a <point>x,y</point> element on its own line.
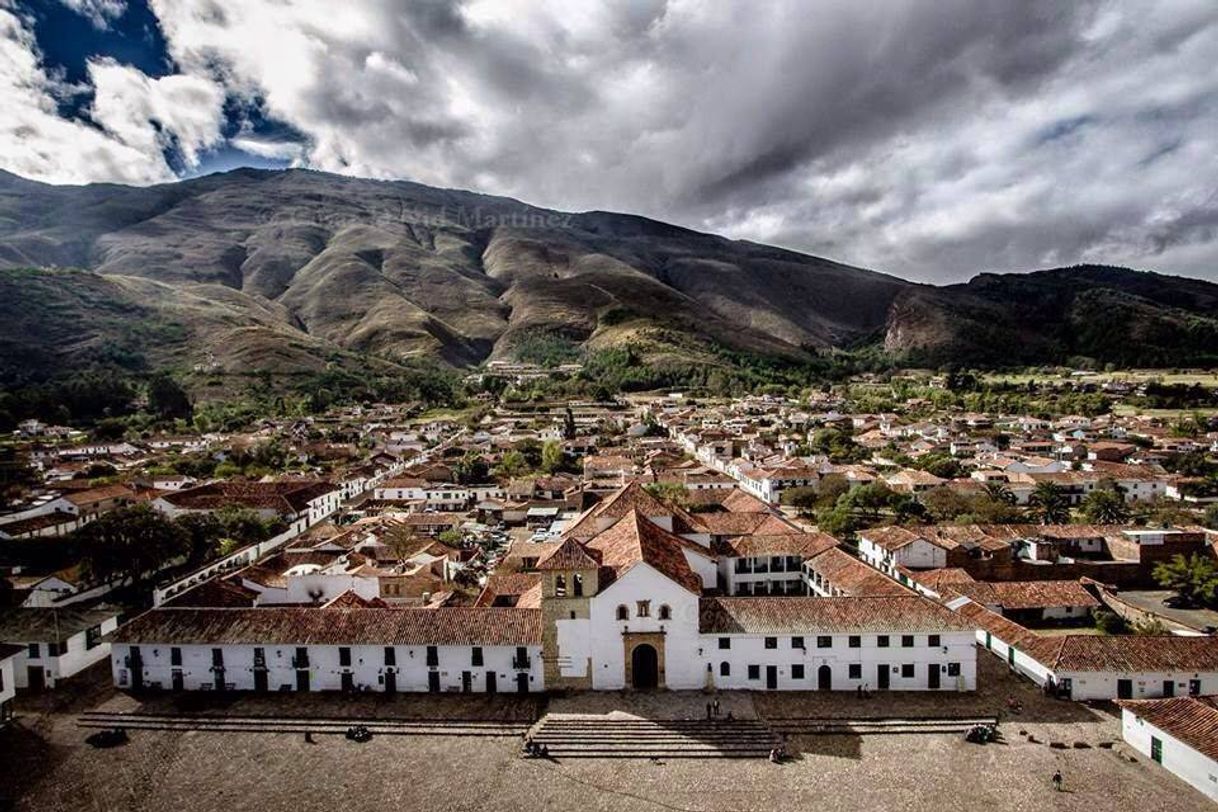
<point>930,139</point>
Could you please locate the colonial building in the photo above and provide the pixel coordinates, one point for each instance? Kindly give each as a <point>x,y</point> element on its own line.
<point>626,600</point>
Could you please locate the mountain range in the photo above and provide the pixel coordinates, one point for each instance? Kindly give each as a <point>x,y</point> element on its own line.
<point>292,270</point>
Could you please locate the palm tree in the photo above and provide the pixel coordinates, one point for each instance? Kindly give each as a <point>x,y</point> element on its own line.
<point>1049,503</point>
<point>999,492</point>
<point>1105,507</point>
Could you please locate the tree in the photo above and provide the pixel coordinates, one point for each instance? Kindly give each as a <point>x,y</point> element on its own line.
<point>511,464</point>
<point>805,499</point>
<point>999,492</point>
<point>167,399</point>
<point>402,540</point>
<point>130,543</point>
<point>836,521</point>
<point>1194,579</point>
<point>1211,517</point>
<point>471,468</point>
<point>1105,507</point>
<point>552,457</point>
<point>946,504</point>
<point>672,493</point>
<point>1049,503</point>
<point>202,532</point>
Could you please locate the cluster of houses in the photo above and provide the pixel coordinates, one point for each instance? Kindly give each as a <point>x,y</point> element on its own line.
<point>651,551</point>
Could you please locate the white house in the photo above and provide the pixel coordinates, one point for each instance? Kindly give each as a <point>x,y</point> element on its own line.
<point>1180,734</point>
<point>1087,667</point>
<point>56,643</point>
<point>446,649</point>
<point>8,680</point>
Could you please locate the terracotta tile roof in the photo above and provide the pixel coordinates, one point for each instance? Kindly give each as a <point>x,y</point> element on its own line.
<point>907,613</point>
<point>507,584</point>
<point>1025,594</point>
<point>633,539</point>
<point>352,600</point>
<point>940,578</point>
<point>452,626</point>
<point>285,496</point>
<point>630,498</point>
<point>569,555</point>
<point>1138,653</point>
<point>801,544</point>
<point>1191,720</point>
<point>845,572</point>
<point>218,592</point>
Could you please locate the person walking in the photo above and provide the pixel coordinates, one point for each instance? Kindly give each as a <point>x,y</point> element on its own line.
<point>708,710</point>
<point>1057,780</point>
<point>715,708</point>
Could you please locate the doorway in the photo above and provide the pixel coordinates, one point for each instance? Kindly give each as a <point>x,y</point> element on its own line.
<point>1169,687</point>
<point>260,680</point>
<point>391,682</point>
<point>644,667</point>
<point>522,683</point>
<point>433,681</point>
<point>37,682</point>
<point>302,680</point>
<point>1124,689</point>
<point>881,677</point>
<point>467,681</point>
<point>932,676</point>
<point>771,677</point>
<point>824,678</point>
<point>178,681</point>
<point>492,682</point>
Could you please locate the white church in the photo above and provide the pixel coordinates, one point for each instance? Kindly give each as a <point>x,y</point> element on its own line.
<point>627,599</point>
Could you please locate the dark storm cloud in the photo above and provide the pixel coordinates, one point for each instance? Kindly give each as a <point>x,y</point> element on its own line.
<point>928,138</point>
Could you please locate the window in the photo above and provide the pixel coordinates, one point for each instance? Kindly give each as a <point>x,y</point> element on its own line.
<point>433,655</point>
<point>824,641</point>
<point>725,642</point>
<point>725,669</point>
<point>560,586</point>
<point>53,649</point>
<point>953,669</point>
<point>855,641</point>
<point>754,672</point>
<point>797,671</point>
<point>771,642</point>
<point>391,655</point>
<point>34,652</point>
<point>798,642</point>
<point>577,585</point>
<point>907,671</point>
<point>665,612</point>
<point>856,670</point>
<point>623,613</point>
<point>93,637</point>
<point>643,608</point>
<point>907,641</point>
<point>175,656</point>
<point>476,656</point>
<point>882,641</point>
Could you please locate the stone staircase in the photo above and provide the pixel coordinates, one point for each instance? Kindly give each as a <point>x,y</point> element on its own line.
<point>572,736</point>
<point>105,720</point>
<point>828,726</point>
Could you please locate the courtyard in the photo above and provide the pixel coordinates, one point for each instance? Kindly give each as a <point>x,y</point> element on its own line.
<point>48,766</point>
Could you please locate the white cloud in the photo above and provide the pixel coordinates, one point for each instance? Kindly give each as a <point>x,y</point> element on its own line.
<point>99,12</point>
<point>134,118</point>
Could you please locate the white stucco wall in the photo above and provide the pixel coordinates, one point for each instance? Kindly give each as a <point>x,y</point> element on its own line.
<point>683,665</point>
<point>1192,767</point>
<point>325,670</point>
